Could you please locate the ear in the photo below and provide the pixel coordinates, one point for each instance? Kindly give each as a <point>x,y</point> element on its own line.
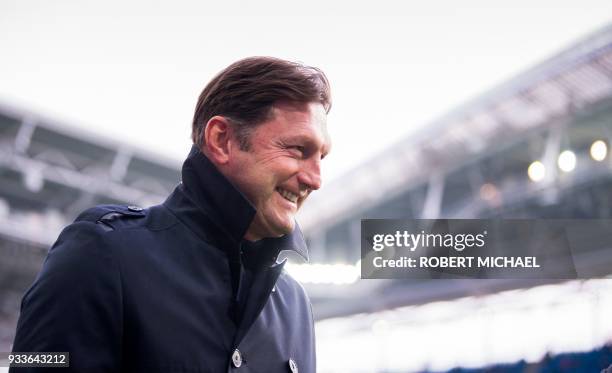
<point>218,139</point>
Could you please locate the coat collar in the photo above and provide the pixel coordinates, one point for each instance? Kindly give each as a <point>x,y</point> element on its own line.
<point>206,198</point>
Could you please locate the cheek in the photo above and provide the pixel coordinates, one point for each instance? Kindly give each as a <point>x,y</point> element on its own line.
<point>270,156</point>
<point>270,173</point>
<point>278,171</point>
<point>286,167</point>
<point>266,184</point>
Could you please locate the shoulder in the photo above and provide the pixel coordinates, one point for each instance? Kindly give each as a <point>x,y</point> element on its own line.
<point>112,217</point>
<point>82,255</point>
<point>86,238</point>
<point>121,217</point>
<point>91,234</point>
<point>93,242</point>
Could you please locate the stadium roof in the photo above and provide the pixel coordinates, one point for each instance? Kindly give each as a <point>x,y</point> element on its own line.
<point>543,96</point>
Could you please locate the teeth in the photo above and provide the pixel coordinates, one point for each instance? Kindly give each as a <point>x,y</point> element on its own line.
<point>287,195</point>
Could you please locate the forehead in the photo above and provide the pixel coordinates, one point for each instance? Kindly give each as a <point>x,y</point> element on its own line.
<point>298,121</point>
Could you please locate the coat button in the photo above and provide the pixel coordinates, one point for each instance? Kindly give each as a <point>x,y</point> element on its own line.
<point>237,358</point>
<point>293,366</point>
<point>135,208</point>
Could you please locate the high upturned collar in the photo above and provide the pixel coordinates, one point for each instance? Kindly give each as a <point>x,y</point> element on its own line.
<point>206,199</point>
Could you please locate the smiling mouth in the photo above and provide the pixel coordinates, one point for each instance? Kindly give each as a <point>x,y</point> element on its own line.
<point>291,197</point>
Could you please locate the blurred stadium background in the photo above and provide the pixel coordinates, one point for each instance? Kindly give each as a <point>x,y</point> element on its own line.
<point>535,146</point>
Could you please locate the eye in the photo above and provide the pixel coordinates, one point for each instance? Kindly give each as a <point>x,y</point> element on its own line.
<point>297,149</point>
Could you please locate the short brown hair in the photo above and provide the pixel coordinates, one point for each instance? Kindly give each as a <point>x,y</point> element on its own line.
<point>246,91</point>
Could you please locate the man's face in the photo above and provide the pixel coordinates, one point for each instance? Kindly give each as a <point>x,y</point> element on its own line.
<point>281,167</point>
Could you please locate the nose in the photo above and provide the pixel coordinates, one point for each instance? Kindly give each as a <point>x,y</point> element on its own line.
<point>310,174</point>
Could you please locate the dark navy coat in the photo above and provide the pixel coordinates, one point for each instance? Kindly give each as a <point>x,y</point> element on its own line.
<point>171,288</point>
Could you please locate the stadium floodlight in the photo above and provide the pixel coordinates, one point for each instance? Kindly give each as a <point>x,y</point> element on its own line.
<point>567,161</point>
<point>33,180</point>
<point>599,150</point>
<point>536,171</point>
<point>488,192</point>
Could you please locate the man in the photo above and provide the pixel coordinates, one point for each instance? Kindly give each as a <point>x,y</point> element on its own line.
<point>193,285</point>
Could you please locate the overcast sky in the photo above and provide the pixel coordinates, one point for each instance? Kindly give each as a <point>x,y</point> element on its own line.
<point>132,70</point>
